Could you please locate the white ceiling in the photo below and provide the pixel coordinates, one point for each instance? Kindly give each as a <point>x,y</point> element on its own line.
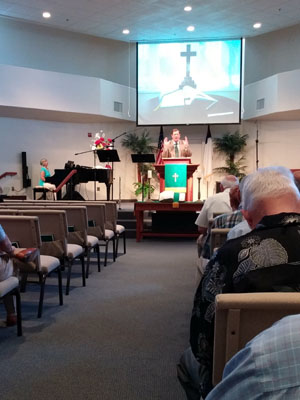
<point>158,19</point>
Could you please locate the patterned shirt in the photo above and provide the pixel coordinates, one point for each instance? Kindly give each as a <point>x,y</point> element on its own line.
<point>266,259</point>
<point>268,367</point>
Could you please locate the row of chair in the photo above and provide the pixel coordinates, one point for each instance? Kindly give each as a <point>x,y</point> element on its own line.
<point>75,230</point>
<point>107,218</point>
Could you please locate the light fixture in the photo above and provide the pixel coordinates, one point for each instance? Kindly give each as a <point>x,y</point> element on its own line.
<point>188,8</point>
<point>126,31</point>
<point>257,25</point>
<point>46,14</point>
<point>190,28</point>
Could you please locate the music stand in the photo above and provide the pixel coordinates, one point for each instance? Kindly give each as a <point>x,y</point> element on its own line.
<point>143,158</point>
<point>109,156</point>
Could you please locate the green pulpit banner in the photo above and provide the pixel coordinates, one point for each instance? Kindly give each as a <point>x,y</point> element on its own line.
<point>176,177</point>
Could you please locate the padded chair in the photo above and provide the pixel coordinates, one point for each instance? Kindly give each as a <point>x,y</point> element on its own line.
<point>97,219</point>
<point>112,231</point>
<point>26,231</point>
<point>241,316</point>
<point>120,231</point>
<point>54,222</point>
<point>111,214</point>
<point>77,219</point>
<point>10,286</point>
<point>96,216</point>
<point>77,226</point>
<point>110,224</point>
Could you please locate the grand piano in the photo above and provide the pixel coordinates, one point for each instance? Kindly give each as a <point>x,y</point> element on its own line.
<point>84,174</point>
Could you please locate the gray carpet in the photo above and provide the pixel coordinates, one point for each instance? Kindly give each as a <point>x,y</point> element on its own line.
<point>118,338</point>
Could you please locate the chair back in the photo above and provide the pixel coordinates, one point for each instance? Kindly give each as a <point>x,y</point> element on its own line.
<point>96,211</point>
<point>52,222</point>
<point>24,230</point>
<point>111,212</point>
<point>218,237</point>
<point>8,211</point>
<point>241,316</point>
<point>111,215</point>
<point>77,222</point>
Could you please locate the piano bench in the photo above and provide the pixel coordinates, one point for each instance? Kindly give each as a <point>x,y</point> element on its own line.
<point>40,189</point>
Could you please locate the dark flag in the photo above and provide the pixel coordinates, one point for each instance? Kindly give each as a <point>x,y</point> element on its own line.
<point>207,157</point>
<point>160,146</point>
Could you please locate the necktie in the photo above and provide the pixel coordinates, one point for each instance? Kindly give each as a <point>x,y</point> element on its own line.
<point>176,150</point>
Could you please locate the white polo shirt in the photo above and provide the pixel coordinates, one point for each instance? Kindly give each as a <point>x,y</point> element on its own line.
<point>218,203</point>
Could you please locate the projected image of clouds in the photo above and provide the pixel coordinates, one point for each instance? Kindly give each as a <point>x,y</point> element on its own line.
<point>189,82</point>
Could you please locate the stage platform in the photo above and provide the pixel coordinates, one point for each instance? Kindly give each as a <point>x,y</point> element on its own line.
<point>171,219</point>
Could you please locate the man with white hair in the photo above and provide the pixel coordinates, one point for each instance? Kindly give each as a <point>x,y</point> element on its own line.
<point>218,203</point>
<point>265,259</point>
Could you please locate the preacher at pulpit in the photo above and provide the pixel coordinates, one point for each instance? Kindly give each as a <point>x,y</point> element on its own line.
<point>176,147</point>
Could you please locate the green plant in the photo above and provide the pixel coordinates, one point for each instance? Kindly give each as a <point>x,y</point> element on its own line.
<point>138,143</point>
<point>147,188</point>
<point>232,145</point>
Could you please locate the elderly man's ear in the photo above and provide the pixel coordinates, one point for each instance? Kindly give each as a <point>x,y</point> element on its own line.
<point>249,218</point>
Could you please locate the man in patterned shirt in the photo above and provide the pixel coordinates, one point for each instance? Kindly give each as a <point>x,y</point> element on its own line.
<point>265,259</point>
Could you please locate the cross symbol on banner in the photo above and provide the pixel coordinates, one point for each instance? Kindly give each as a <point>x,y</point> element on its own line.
<point>175,176</point>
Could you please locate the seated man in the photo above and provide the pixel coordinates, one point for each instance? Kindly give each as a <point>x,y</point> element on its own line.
<point>228,220</point>
<point>218,203</point>
<point>268,367</point>
<point>239,229</point>
<point>265,259</point>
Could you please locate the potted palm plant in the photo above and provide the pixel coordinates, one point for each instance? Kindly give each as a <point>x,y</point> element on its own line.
<point>232,145</point>
<point>141,144</point>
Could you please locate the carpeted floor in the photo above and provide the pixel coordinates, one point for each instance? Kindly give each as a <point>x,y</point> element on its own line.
<point>118,338</point>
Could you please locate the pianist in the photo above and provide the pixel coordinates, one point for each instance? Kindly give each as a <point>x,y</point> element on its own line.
<point>45,173</point>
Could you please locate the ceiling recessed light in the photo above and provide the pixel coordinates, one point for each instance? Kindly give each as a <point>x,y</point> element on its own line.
<point>46,14</point>
<point>188,8</point>
<point>257,25</point>
<point>190,28</point>
<point>126,31</point>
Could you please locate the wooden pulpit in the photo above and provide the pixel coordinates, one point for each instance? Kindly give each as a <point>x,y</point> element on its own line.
<point>191,168</point>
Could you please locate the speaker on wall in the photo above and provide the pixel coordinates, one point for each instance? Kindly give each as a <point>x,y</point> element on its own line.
<point>25,177</point>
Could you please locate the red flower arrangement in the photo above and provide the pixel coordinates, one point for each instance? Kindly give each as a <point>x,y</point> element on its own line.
<point>102,144</point>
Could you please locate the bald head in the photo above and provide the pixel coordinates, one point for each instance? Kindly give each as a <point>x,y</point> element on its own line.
<point>229,181</point>
<point>269,191</point>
